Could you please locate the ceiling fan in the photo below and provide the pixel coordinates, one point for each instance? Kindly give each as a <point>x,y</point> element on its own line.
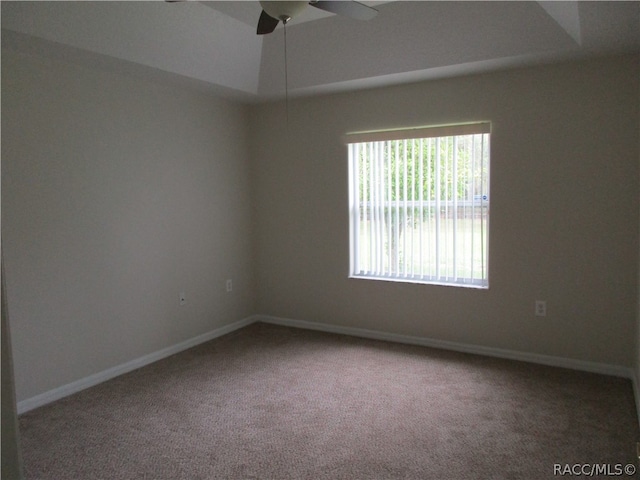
<point>274,12</point>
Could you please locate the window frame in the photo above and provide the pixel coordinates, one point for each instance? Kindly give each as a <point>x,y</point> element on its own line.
<point>429,132</point>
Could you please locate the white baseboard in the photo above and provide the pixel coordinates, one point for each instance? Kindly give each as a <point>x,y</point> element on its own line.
<point>593,367</point>
<point>79,385</point>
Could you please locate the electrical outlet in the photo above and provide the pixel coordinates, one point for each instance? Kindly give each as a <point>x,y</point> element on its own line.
<point>229,285</point>
<point>183,298</point>
<point>541,308</point>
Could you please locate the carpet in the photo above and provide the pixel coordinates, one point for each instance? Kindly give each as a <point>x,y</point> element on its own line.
<point>272,402</point>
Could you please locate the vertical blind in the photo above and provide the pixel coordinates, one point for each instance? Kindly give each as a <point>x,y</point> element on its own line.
<point>419,204</point>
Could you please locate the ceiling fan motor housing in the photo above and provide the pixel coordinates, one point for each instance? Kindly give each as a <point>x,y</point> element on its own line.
<point>283,10</point>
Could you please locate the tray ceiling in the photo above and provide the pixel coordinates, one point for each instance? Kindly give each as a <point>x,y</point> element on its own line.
<point>213,45</point>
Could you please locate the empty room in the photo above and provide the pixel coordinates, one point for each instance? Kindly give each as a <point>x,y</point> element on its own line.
<point>320,240</point>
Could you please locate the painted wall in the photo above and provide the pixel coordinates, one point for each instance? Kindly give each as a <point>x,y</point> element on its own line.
<point>11,465</point>
<point>636,383</point>
<point>564,192</point>
<point>117,194</point>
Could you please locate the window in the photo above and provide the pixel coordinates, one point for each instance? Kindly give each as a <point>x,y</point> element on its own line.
<point>419,205</point>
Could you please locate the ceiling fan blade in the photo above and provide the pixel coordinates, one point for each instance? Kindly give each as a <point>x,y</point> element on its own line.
<point>356,10</point>
<point>267,23</point>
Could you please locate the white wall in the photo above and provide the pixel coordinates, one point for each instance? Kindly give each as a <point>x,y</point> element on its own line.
<point>11,465</point>
<point>117,194</point>
<point>564,210</point>
<point>636,383</point>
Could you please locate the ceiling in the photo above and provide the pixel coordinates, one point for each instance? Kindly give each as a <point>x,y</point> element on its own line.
<point>213,44</point>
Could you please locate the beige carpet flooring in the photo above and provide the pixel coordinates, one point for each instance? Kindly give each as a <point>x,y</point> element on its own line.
<point>269,402</point>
